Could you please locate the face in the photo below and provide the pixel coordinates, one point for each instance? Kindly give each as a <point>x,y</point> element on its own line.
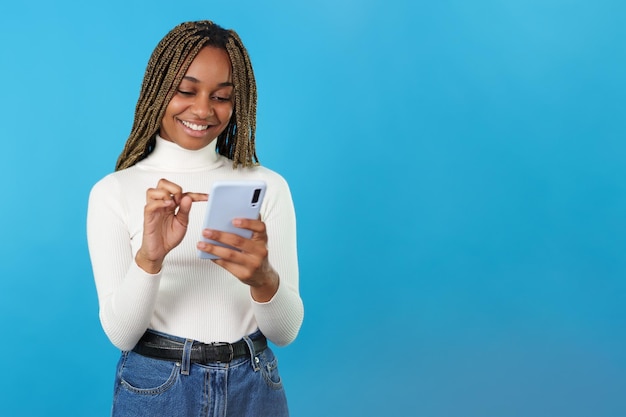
<point>203,103</point>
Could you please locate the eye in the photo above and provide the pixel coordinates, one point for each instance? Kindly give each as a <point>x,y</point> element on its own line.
<point>221,98</point>
<point>185,93</point>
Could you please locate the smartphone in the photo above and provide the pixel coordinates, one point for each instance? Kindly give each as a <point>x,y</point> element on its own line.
<point>229,200</point>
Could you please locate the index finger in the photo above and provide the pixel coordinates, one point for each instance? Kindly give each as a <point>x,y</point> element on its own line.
<point>197,196</point>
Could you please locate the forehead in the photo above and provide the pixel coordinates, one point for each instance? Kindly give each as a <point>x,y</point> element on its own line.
<point>211,65</point>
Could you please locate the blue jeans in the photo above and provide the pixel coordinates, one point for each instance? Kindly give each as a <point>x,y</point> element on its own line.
<point>247,386</point>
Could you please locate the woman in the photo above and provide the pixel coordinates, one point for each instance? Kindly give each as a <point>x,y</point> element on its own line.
<point>192,331</point>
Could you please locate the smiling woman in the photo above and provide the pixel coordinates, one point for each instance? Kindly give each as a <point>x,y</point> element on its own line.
<point>193,332</point>
<point>165,78</point>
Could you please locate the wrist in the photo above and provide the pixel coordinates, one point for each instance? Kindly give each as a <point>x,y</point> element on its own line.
<point>264,292</point>
<point>151,266</point>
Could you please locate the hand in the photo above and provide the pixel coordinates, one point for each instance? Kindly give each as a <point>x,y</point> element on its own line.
<point>250,264</point>
<point>165,220</point>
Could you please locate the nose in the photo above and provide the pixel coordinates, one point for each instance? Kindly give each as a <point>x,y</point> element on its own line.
<point>202,107</point>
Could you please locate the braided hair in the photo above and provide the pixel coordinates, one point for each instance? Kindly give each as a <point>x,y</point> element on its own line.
<point>166,68</point>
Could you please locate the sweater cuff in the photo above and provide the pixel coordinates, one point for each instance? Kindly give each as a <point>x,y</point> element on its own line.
<point>281,317</point>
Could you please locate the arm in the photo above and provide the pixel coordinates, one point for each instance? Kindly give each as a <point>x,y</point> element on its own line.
<point>281,317</point>
<point>128,286</point>
<point>126,293</point>
<point>268,264</point>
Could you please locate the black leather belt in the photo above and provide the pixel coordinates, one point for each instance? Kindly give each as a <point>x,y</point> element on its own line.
<point>161,347</point>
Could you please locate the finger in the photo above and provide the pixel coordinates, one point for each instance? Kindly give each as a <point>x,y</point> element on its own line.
<point>256,226</point>
<point>172,190</point>
<point>153,205</point>
<point>197,196</point>
<point>257,247</point>
<point>226,238</point>
<point>183,210</point>
<point>161,193</point>
<point>169,185</point>
<point>220,251</point>
<point>167,190</point>
<point>233,260</point>
<point>158,194</point>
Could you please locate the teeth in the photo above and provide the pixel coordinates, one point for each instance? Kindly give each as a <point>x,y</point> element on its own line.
<point>194,126</point>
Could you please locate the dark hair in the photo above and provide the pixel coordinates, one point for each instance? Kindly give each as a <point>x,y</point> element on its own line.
<point>166,68</point>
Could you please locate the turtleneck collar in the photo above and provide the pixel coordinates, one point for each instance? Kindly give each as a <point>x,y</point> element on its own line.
<point>168,156</point>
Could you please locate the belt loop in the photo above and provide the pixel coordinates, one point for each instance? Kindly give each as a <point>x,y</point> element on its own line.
<point>186,360</point>
<point>253,359</point>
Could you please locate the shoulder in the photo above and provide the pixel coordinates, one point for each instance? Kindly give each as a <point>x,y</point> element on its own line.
<point>113,185</point>
<point>109,182</point>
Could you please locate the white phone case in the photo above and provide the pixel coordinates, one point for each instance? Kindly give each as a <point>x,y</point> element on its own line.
<point>229,200</point>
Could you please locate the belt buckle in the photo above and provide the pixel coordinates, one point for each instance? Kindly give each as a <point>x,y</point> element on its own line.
<point>219,345</point>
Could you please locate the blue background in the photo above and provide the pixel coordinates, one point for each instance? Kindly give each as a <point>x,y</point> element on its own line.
<point>458,174</point>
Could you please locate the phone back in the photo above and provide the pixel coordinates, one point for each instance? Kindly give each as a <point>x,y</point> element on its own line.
<point>229,200</point>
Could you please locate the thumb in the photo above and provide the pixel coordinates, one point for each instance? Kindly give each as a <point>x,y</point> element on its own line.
<point>183,210</point>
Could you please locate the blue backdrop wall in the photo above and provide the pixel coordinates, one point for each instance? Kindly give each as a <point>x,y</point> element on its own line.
<point>458,174</point>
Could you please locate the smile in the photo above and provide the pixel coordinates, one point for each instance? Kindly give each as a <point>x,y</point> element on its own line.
<point>194,126</point>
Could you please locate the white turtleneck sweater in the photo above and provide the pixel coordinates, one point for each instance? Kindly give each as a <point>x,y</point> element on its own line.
<point>190,297</point>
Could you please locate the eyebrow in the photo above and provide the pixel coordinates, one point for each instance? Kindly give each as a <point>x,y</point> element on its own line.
<point>195,80</point>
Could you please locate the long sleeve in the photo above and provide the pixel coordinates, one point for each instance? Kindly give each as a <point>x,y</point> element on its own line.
<point>126,293</point>
<point>281,317</point>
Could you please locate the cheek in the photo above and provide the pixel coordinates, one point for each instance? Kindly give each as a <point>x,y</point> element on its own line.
<point>174,107</point>
<point>226,113</point>
<point>166,128</point>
